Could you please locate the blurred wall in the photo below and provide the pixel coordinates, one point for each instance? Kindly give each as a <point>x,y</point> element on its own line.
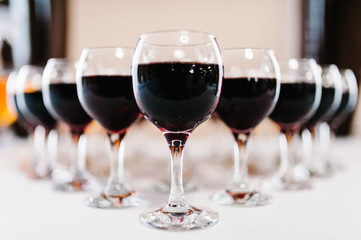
<point>274,24</point>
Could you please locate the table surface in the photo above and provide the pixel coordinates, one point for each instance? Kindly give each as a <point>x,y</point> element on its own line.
<point>331,210</point>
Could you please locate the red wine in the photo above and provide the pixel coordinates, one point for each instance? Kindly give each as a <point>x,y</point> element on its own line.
<point>34,110</point>
<point>327,98</point>
<point>110,101</point>
<point>177,96</point>
<point>293,105</point>
<point>342,111</point>
<point>65,104</point>
<point>21,118</point>
<point>245,102</point>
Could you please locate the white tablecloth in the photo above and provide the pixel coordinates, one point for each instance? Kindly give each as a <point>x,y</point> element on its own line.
<point>331,210</point>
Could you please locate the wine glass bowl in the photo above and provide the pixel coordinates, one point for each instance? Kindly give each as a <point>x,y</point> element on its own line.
<point>30,98</point>
<point>330,97</point>
<point>105,87</point>
<point>300,93</point>
<point>177,79</point>
<point>60,94</point>
<point>105,91</point>
<point>250,91</point>
<point>193,81</point>
<point>349,99</point>
<point>12,102</point>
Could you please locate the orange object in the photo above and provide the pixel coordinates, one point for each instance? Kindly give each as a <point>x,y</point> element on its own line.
<point>5,117</point>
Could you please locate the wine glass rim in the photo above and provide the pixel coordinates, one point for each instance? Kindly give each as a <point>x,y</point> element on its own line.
<point>144,35</point>
<point>301,59</point>
<point>298,59</point>
<point>345,69</point>
<point>268,50</point>
<point>107,47</point>
<point>327,65</point>
<point>7,70</point>
<point>32,66</point>
<point>65,59</point>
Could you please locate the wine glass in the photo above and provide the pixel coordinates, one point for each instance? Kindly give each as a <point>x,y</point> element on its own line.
<point>250,91</point>
<point>177,79</point>
<point>51,138</point>
<point>61,100</point>
<point>105,91</point>
<point>29,100</point>
<point>14,110</point>
<point>348,104</point>
<point>312,134</point>
<point>299,98</point>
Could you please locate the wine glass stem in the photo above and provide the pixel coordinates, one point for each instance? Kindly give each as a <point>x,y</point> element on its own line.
<point>176,199</point>
<point>287,161</point>
<point>39,142</point>
<point>41,163</point>
<point>117,158</point>
<point>307,147</point>
<point>78,166</point>
<point>240,174</point>
<point>52,146</point>
<point>325,136</point>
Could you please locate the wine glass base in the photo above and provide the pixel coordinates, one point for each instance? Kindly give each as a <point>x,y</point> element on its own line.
<point>322,169</point>
<point>191,219</point>
<point>287,183</point>
<point>35,176</point>
<point>71,186</point>
<point>36,172</point>
<point>242,199</point>
<point>122,201</point>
